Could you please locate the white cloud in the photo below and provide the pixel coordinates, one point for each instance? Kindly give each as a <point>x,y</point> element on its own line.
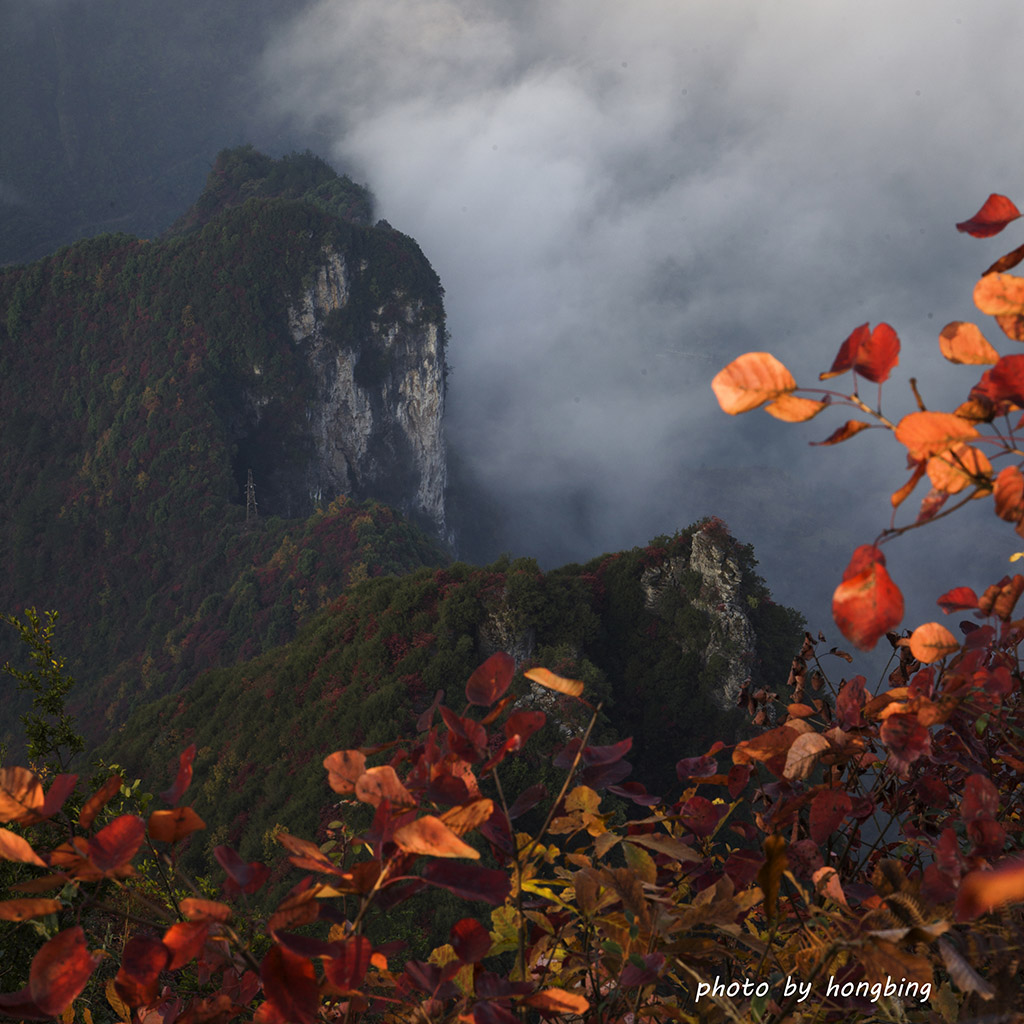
<point>619,198</point>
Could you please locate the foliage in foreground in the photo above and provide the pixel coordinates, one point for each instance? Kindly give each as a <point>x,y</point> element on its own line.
<point>858,860</point>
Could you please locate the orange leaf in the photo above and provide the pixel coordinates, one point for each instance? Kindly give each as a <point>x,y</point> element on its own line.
<point>867,604</point>
<point>557,1000</point>
<point>99,800</point>
<point>14,847</point>
<point>995,214</point>
<point>170,826</point>
<point>1012,325</point>
<point>766,746</point>
<point>22,910</point>
<point>382,783</point>
<point>792,409</point>
<point>204,910</point>
<point>962,342</point>
<point>999,599</point>
<point>184,940</point>
<point>931,642</point>
<point>573,687</point>
<point>343,769</point>
<point>846,431</point>
<point>900,496</point>
<point>1000,295</point>
<point>21,794</point>
<point>750,381</point>
<point>1008,493</point>
<point>465,817</point>
<point>982,891</point>
<point>431,836</point>
<point>961,466</point>
<point>929,433</point>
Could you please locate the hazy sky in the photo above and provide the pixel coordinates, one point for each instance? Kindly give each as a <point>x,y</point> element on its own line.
<point>622,197</point>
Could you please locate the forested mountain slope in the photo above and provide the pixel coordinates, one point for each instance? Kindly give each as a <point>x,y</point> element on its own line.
<point>275,331</point>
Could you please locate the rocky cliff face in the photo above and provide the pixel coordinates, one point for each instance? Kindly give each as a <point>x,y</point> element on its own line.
<point>375,413</point>
<point>732,637</point>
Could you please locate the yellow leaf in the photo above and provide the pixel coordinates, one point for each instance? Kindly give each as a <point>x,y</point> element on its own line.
<point>750,381</point>
<point>573,687</point>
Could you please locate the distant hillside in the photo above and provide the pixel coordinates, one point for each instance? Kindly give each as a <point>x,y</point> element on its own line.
<point>274,331</point>
<point>664,635</point>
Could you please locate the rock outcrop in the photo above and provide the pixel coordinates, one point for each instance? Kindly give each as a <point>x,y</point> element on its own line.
<point>376,408</point>
<point>732,637</point>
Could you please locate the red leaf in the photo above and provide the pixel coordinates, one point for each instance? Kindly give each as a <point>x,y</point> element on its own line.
<point>183,778</point>
<point>242,877</point>
<point>1007,262</point>
<point>347,969</point>
<point>524,724</point>
<point>878,354</point>
<point>739,776</point>
<point>867,604</point>
<point>851,700</point>
<point>60,789</point>
<point>634,975</point>
<point>700,815</point>
<point>490,681</point>
<point>470,940</point>
<point>980,800</point>
<point>143,959</point>
<point>469,881</point>
<point>958,599</point>
<point>843,433</point>
<point>1006,380</point>
<point>528,799</point>
<point>906,739</point>
<point>828,808</point>
<point>114,846</point>
<point>994,215</point>
<point>57,976</point>
<point>872,354</point>
<point>847,354</point>
<point>702,767</point>
<point>99,800</point>
<point>607,755</point>
<point>289,983</point>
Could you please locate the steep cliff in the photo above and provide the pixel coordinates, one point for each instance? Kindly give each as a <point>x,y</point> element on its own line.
<point>376,409</point>
<point>273,331</point>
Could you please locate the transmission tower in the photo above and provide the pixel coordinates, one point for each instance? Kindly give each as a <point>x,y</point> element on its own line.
<point>250,501</point>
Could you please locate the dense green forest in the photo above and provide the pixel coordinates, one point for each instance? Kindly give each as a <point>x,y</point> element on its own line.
<point>126,370</point>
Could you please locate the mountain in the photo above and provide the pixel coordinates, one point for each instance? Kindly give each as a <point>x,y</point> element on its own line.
<point>274,332</point>
<point>664,636</point>
<point>223,461</point>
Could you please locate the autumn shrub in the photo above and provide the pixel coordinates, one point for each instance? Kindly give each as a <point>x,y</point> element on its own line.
<point>855,859</point>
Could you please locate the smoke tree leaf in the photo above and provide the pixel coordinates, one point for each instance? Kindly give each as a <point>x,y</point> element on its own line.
<point>751,380</point>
